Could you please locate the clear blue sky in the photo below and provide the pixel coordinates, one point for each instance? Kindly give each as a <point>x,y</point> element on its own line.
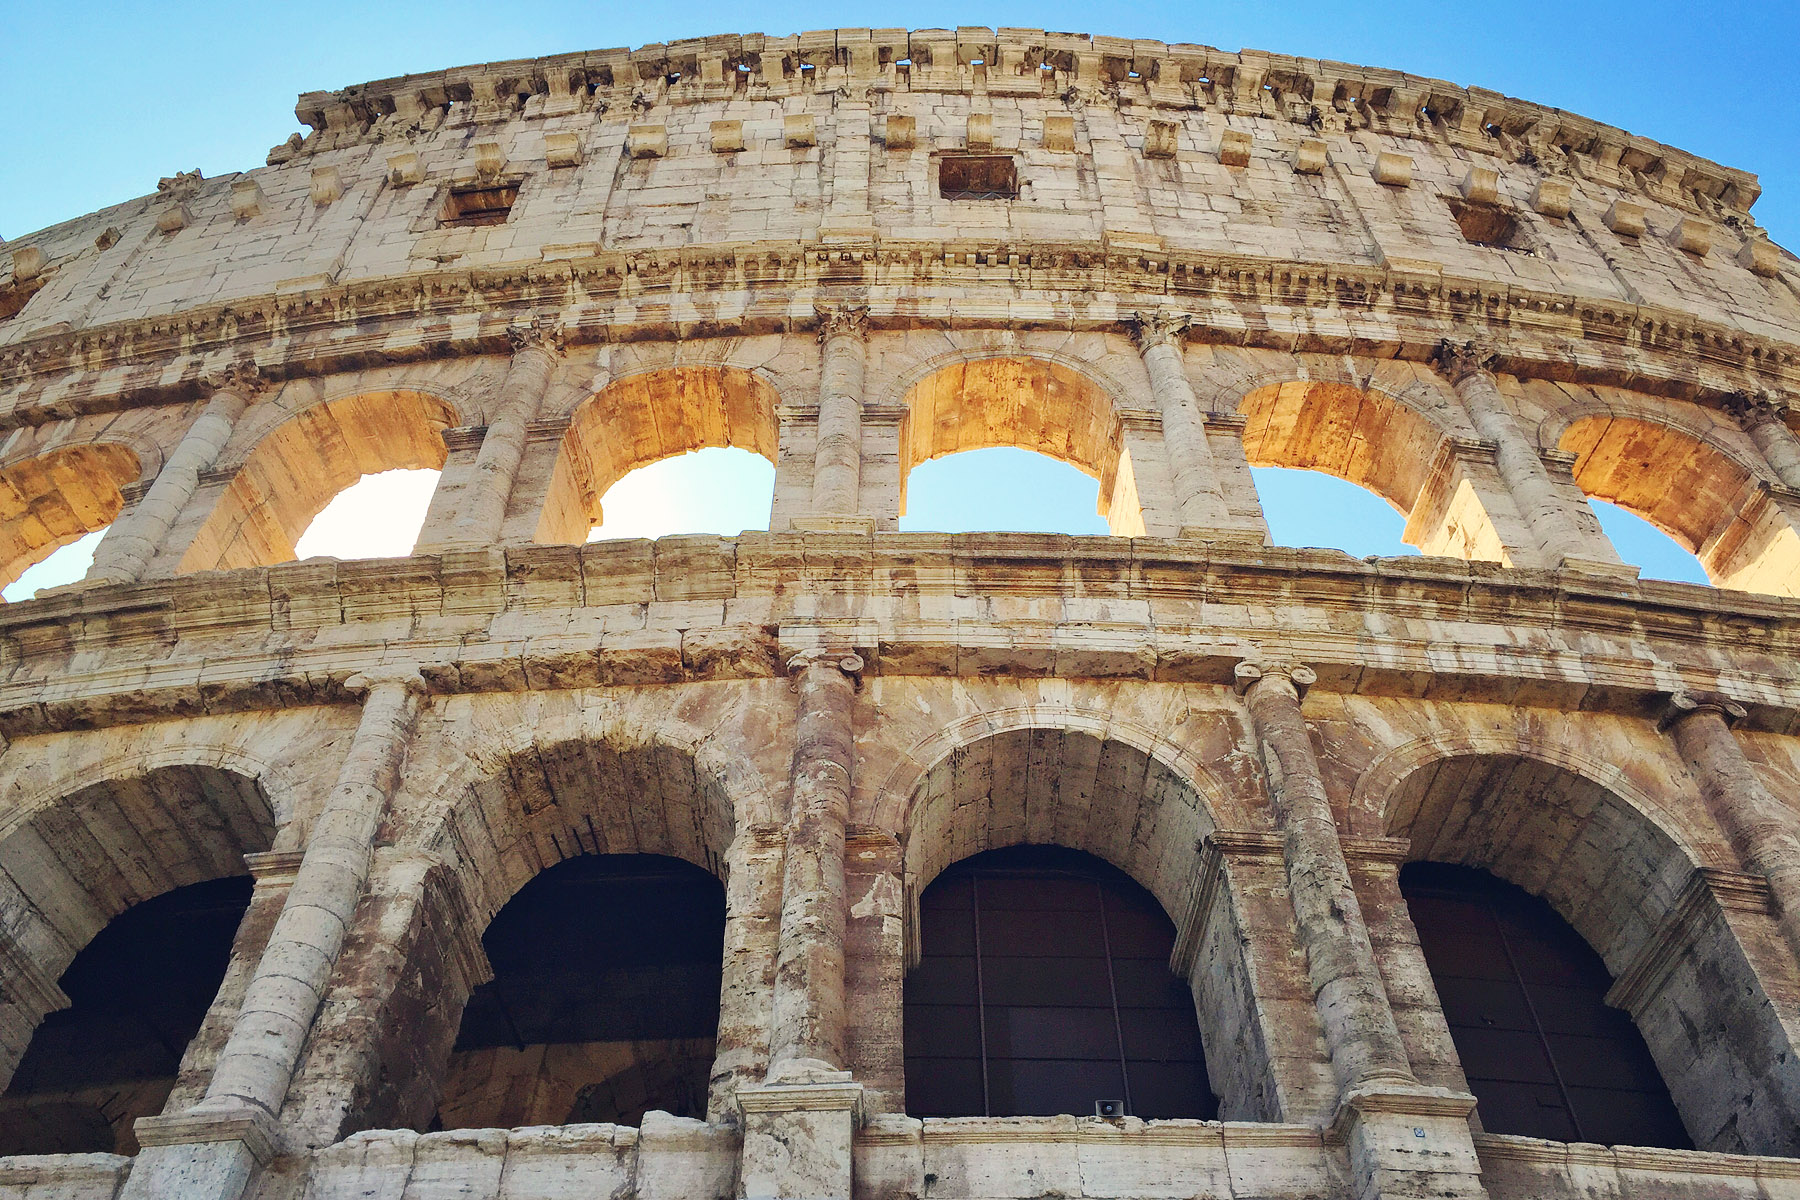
<point>99,101</point>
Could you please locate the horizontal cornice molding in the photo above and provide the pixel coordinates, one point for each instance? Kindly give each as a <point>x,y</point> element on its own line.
<point>772,288</point>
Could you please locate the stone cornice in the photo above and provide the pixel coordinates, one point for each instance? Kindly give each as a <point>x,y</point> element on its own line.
<point>1322,308</point>
<point>128,653</point>
<point>1012,62</point>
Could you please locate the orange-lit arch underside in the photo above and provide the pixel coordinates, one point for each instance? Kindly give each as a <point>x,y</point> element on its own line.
<point>643,419</point>
<point>51,500</point>
<point>296,470</point>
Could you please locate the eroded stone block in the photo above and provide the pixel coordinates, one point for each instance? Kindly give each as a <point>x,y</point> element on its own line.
<point>1553,197</point>
<point>1393,170</point>
<point>648,141</point>
<point>1161,139</point>
<point>1059,132</point>
<point>727,137</point>
<point>799,130</point>
<point>562,149</point>
<point>1234,148</point>
<point>1626,218</point>
<point>1481,185</point>
<point>327,185</point>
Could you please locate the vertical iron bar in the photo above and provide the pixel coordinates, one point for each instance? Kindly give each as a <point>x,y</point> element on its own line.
<point>987,1104</point>
<point>1112,986</point>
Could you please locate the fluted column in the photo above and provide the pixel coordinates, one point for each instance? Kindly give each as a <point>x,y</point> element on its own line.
<point>1763,415</point>
<point>536,348</point>
<point>808,1029</point>
<point>1199,494</point>
<point>1762,829</point>
<point>1559,536</point>
<point>837,454</point>
<point>1359,1027</point>
<point>136,536</point>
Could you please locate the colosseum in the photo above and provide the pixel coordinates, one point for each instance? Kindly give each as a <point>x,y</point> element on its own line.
<point>832,860</point>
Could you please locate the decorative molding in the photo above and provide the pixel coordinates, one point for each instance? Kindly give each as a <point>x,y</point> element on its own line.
<point>256,1129</point>
<point>1459,360</point>
<point>1758,407</point>
<point>1159,327</point>
<point>242,378</point>
<point>541,332</point>
<point>1248,671</point>
<point>842,320</point>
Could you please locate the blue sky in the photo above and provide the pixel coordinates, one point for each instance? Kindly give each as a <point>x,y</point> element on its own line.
<point>102,100</point>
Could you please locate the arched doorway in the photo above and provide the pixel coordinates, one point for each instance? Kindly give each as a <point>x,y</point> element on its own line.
<point>604,1002</point>
<point>1043,987</point>
<point>1525,999</point>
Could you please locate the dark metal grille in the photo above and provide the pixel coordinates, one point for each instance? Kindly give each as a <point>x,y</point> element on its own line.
<point>978,177</point>
<point>1524,997</point>
<point>1043,987</point>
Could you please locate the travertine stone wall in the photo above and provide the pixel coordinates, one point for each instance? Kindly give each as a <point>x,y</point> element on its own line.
<point>1477,308</point>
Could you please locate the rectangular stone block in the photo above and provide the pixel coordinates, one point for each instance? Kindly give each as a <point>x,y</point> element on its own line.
<point>327,185</point>
<point>798,130</point>
<point>902,131</point>
<point>246,198</point>
<point>1059,133</point>
<point>1393,170</point>
<point>1553,197</point>
<point>1311,158</point>
<point>1481,185</point>
<point>727,137</point>
<point>1626,218</point>
<point>1160,138</point>
<point>1234,148</point>
<point>562,149</point>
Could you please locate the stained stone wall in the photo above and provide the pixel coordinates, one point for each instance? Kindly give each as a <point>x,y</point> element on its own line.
<point>1480,309</point>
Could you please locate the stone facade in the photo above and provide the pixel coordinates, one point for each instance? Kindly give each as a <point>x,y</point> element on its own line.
<point>540,275</point>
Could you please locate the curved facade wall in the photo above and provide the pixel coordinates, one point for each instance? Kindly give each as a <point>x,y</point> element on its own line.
<point>852,252</point>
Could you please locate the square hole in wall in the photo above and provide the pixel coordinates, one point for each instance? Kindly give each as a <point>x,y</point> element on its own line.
<point>487,205</point>
<point>978,177</point>
<point>1490,225</point>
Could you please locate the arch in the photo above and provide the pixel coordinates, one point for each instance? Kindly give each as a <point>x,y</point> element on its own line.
<point>1364,435</point>
<point>1030,400</point>
<point>71,864</point>
<point>53,499</point>
<point>295,469</point>
<point>644,418</point>
<point>1683,480</point>
<point>1627,879</point>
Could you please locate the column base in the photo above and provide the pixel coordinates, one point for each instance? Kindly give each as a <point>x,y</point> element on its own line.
<point>797,1138</point>
<point>1228,537</point>
<point>1409,1141</point>
<point>831,523</point>
<point>1618,572</point>
<point>201,1154</point>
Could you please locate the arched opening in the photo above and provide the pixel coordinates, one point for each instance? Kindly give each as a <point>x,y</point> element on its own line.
<point>378,516</point>
<point>1643,545</point>
<point>721,489</point>
<point>1703,499</point>
<point>299,467</point>
<point>55,499</point>
<point>137,996</point>
<point>1633,894</point>
<point>1314,509</point>
<point>1001,488</point>
<point>64,565</point>
<point>1029,404</point>
<point>644,419</point>
<point>1371,440</point>
<point>1525,999</point>
<point>1043,987</point>
<point>604,1002</point>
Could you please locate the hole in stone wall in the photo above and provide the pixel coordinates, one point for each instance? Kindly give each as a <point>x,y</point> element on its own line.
<point>66,564</point>
<point>139,993</point>
<point>14,297</point>
<point>978,177</point>
<point>1311,508</point>
<point>722,490</point>
<point>604,1002</point>
<point>1001,488</point>
<point>378,516</point>
<point>472,206</point>
<point>1489,225</point>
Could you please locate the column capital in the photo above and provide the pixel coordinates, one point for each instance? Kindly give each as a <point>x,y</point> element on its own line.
<point>1159,327</point>
<point>1757,406</point>
<point>1680,705</point>
<point>1459,360</point>
<point>1249,671</point>
<point>242,378</point>
<point>406,676</point>
<point>842,320</point>
<point>847,661</point>
<point>542,332</point>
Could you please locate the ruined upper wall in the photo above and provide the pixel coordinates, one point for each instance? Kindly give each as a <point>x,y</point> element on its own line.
<point>725,184</point>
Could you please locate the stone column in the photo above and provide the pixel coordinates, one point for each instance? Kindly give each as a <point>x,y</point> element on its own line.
<point>212,1151</point>
<point>1762,829</point>
<point>1405,1138</point>
<point>1560,538</point>
<point>1763,415</point>
<point>536,348</point>
<point>798,1126</point>
<point>837,455</point>
<point>1199,496</point>
<point>134,539</point>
